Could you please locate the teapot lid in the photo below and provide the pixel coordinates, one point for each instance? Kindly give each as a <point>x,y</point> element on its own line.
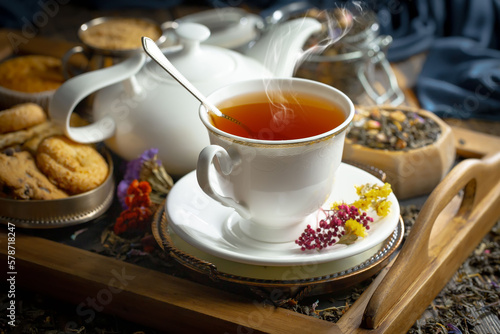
<point>196,61</point>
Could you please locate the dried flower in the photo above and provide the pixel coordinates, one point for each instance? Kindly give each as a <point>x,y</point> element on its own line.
<point>374,195</point>
<point>383,207</point>
<point>355,227</point>
<point>343,223</point>
<point>146,168</point>
<point>332,228</point>
<point>157,177</point>
<point>138,214</point>
<point>148,243</point>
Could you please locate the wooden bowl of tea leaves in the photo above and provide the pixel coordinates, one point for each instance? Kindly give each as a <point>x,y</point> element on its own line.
<point>414,147</point>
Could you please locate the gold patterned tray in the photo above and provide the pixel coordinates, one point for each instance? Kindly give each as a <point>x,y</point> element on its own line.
<point>310,279</point>
<point>292,280</point>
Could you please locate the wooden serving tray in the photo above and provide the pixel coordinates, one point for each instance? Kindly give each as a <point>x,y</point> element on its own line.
<point>459,212</point>
<point>456,216</point>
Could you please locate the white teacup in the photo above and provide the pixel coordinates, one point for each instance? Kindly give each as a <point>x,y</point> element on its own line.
<point>274,186</point>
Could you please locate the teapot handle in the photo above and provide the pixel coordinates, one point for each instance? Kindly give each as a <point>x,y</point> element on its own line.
<point>67,97</point>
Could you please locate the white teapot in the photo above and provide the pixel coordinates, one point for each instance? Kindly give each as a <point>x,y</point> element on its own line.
<point>139,106</point>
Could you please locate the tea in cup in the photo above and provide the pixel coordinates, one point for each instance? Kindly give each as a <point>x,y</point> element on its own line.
<point>278,169</point>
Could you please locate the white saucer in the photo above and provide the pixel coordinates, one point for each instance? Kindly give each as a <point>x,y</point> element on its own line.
<point>213,228</point>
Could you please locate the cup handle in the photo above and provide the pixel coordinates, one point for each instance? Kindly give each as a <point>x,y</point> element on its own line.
<point>205,161</point>
<point>67,97</point>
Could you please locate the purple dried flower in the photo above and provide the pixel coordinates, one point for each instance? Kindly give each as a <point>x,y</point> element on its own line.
<point>132,173</point>
<point>121,192</point>
<point>149,155</point>
<point>133,169</point>
<point>453,329</point>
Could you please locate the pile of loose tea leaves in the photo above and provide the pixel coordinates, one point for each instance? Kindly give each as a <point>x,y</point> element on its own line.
<point>470,302</point>
<point>37,313</point>
<point>394,130</point>
<point>337,305</point>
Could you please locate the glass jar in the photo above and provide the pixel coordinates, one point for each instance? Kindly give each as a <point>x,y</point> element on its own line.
<point>356,64</point>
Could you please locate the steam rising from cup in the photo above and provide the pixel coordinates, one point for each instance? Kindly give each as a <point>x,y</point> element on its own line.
<point>336,24</point>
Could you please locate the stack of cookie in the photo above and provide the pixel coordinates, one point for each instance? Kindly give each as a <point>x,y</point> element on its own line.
<point>37,162</point>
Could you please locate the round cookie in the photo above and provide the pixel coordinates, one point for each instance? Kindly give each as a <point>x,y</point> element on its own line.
<point>20,117</point>
<point>74,167</point>
<point>21,179</point>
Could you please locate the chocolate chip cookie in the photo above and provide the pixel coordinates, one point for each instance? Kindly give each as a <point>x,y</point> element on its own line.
<point>21,179</point>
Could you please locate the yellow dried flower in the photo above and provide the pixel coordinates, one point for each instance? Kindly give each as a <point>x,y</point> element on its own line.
<point>383,208</point>
<point>373,195</point>
<point>335,205</point>
<point>362,204</point>
<point>355,227</point>
<point>385,190</point>
<point>359,190</point>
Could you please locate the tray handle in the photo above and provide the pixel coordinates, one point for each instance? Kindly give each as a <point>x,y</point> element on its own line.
<point>478,181</point>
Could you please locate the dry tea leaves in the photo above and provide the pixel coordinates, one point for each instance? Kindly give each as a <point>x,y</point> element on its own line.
<point>393,130</point>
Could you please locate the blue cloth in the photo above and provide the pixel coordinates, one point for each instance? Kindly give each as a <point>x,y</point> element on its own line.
<point>416,25</point>
<point>461,79</point>
<point>461,75</point>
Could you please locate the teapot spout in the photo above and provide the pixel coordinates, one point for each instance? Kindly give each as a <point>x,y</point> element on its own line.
<point>281,47</point>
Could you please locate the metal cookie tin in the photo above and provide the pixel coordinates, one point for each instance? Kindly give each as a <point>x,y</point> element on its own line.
<point>77,209</point>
